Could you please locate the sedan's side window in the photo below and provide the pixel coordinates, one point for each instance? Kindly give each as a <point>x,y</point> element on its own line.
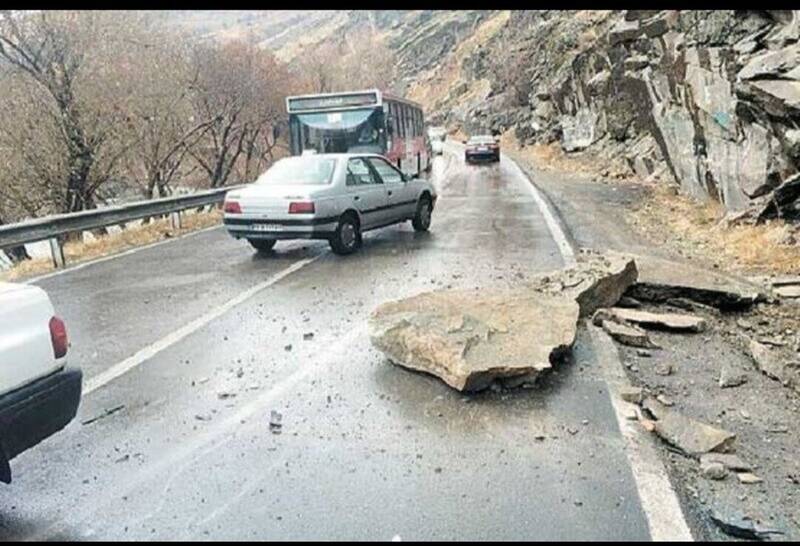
<point>359,174</point>
<point>387,172</point>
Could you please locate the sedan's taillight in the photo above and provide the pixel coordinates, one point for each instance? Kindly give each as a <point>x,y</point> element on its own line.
<point>58,335</point>
<point>301,207</point>
<point>232,207</point>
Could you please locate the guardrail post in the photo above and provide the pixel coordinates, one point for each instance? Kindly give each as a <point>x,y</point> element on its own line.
<point>175,219</point>
<point>57,251</point>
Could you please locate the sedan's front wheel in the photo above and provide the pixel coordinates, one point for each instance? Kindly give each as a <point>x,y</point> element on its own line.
<point>347,237</point>
<point>262,245</point>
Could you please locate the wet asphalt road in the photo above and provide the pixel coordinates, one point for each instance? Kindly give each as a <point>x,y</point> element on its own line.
<point>367,450</point>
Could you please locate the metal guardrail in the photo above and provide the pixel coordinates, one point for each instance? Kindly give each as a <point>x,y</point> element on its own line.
<point>52,228</point>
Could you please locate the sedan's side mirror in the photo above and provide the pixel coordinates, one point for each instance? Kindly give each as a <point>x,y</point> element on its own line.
<point>463,142</point>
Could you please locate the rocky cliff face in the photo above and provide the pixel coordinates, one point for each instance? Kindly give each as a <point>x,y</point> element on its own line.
<point>707,99</point>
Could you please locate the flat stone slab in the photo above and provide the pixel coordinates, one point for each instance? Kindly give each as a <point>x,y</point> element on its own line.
<point>728,460</point>
<point>470,338</point>
<point>661,279</point>
<point>787,291</point>
<point>786,280</point>
<point>668,321</point>
<point>627,334</point>
<point>686,434</point>
<point>776,363</point>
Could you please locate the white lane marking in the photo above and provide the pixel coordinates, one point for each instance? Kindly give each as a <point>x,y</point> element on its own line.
<point>567,252</point>
<point>148,352</point>
<point>81,265</point>
<point>186,452</point>
<point>659,500</point>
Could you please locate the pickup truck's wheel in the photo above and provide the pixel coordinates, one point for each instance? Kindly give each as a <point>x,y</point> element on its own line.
<point>347,238</point>
<point>422,218</point>
<point>262,245</point>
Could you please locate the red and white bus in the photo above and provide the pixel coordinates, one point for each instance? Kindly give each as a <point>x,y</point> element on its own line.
<point>368,121</point>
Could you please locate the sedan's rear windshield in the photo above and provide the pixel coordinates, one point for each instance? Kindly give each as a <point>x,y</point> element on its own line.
<point>299,170</point>
<point>482,140</point>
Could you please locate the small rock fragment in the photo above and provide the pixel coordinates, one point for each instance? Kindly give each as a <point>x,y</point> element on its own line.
<point>788,292</point>
<point>738,525</point>
<point>631,394</point>
<point>748,478</point>
<point>729,460</point>
<point>275,424</point>
<point>668,321</point>
<point>664,400</point>
<point>308,335</point>
<point>712,470</point>
<point>773,364</point>
<point>731,377</point>
<point>664,369</point>
<point>688,435</point>
<point>630,413</point>
<point>628,334</point>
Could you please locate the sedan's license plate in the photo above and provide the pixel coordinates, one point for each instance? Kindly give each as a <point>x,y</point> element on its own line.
<point>483,149</point>
<point>267,227</point>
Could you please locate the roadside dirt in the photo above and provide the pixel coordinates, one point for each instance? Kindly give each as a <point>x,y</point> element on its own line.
<point>761,412</point>
<point>626,215</point>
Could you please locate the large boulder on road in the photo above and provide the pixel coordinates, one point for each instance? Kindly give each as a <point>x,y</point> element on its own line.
<point>470,338</point>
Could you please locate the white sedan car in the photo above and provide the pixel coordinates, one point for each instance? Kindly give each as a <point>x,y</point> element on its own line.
<point>39,393</point>
<point>335,197</point>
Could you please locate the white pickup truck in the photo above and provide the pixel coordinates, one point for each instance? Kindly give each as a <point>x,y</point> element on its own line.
<point>39,394</point>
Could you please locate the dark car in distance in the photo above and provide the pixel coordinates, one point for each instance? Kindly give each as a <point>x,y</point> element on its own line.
<point>482,148</point>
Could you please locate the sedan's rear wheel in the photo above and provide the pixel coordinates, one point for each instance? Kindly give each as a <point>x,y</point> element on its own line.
<point>422,218</point>
<point>262,245</point>
<point>347,237</point>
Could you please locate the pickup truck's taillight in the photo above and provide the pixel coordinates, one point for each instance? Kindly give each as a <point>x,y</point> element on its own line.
<point>301,207</point>
<point>58,335</point>
<point>232,207</point>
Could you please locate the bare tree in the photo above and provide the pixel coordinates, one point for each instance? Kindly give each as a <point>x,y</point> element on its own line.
<point>163,125</point>
<point>357,61</point>
<point>236,92</point>
<point>65,54</point>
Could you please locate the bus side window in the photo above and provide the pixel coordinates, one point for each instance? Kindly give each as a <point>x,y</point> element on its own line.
<point>401,119</point>
<point>398,122</point>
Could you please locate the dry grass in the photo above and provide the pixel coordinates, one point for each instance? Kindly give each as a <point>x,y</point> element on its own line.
<point>77,252</point>
<point>696,229</point>
<point>549,157</point>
